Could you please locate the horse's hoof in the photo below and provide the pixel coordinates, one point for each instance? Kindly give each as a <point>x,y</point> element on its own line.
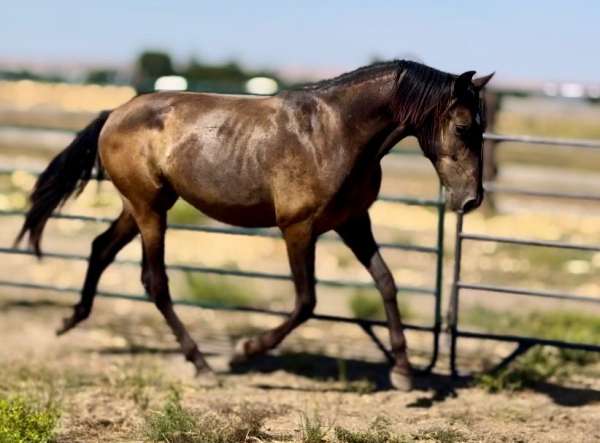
<point>401,380</point>
<point>239,354</point>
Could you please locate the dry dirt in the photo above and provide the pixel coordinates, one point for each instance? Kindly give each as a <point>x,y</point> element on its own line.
<point>117,368</point>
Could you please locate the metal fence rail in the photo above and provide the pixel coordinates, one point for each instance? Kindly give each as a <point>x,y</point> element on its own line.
<point>365,324</point>
<point>523,342</point>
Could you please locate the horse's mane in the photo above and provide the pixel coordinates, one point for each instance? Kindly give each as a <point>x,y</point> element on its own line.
<point>418,89</point>
<point>360,74</point>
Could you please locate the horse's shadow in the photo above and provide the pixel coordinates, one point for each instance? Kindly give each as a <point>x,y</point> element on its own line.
<point>324,368</point>
<point>436,387</point>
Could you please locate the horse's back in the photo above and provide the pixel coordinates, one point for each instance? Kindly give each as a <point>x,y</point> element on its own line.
<point>208,147</point>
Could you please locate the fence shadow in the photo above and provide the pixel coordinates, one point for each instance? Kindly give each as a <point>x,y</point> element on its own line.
<point>436,387</point>
<point>568,396</point>
<point>320,367</point>
<point>32,304</point>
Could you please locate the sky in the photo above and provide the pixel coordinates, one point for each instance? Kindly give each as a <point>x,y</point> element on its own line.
<point>520,40</point>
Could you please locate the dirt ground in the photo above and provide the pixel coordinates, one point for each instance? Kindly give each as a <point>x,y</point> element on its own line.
<point>117,368</point>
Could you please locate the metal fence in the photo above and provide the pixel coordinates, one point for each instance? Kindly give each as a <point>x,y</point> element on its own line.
<point>523,342</point>
<point>437,250</point>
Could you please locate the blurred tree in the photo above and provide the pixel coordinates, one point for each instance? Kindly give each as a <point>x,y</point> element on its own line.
<point>229,72</point>
<point>101,76</point>
<point>154,64</point>
<point>25,74</point>
<point>225,77</point>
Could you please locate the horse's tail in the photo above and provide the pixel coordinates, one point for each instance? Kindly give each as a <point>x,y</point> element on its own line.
<point>67,172</point>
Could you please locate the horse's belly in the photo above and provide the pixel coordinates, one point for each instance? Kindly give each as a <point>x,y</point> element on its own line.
<point>226,197</point>
<point>250,216</point>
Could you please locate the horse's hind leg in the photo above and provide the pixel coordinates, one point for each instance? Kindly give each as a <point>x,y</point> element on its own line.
<point>300,243</point>
<point>152,226</point>
<point>357,234</point>
<point>104,249</point>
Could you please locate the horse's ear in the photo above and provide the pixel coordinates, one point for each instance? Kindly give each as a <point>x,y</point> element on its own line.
<point>480,82</point>
<point>462,83</point>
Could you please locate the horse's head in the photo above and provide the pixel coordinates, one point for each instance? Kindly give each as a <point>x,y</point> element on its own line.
<point>453,140</point>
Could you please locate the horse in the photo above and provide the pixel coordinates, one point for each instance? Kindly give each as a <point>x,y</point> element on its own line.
<point>306,160</point>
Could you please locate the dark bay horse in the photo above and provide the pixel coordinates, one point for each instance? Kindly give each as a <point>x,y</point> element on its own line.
<point>304,160</point>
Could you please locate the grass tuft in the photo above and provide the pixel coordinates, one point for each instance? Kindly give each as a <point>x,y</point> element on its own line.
<point>378,432</point>
<point>173,424</point>
<point>441,435</point>
<point>367,304</point>
<point>176,424</point>
<point>312,429</point>
<point>184,213</point>
<point>538,364</point>
<point>24,421</point>
<point>217,291</point>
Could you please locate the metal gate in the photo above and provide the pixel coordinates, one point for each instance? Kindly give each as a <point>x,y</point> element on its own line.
<point>523,342</point>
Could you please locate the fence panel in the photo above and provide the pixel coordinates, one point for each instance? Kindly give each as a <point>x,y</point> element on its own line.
<point>523,342</point>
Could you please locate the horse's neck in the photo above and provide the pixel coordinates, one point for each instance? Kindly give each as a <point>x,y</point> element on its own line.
<point>365,109</point>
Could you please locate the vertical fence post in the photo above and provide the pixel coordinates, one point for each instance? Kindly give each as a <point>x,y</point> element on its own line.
<point>439,263</point>
<point>453,307</point>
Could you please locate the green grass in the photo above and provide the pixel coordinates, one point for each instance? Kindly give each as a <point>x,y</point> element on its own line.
<point>173,424</point>
<point>23,420</point>
<point>184,213</point>
<point>312,429</point>
<point>441,435</point>
<point>539,364</point>
<point>535,367</point>
<point>557,325</point>
<point>177,424</point>
<point>368,304</point>
<point>378,432</point>
<point>135,383</point>
<point>218,291</point>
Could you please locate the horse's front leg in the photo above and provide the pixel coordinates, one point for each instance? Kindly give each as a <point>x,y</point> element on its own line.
<point>357,234</point>
<point>300,244</point>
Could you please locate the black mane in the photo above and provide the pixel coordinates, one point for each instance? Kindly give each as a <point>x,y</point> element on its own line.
<point>357,75</point>
<point>418,89</point>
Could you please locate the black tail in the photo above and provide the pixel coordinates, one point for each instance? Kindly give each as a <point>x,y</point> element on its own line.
<point>68,171</point>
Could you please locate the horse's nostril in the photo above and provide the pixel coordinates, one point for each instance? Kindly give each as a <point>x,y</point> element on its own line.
<point>469,204</point>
